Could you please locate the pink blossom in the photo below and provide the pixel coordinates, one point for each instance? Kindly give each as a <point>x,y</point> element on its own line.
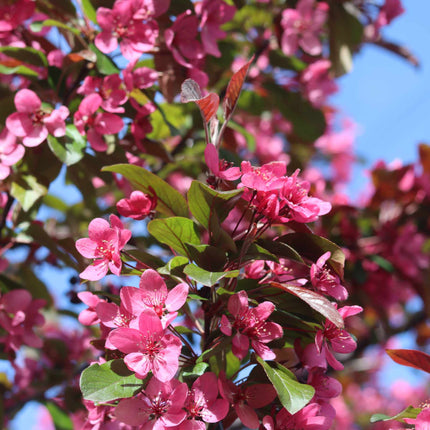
<point>325,281</point>
<point>181,39</point>
<point>213,14</point>
<point>318,83</point>
<point>245,399</point>
<point>104,245</point>
<point>422,421</point>
<point>307,418</point>
<point>391,9</point>
<point>96,124</point>
<point>142,77</point>
<point>203,405</point>
<point>264,178</point>
<point>138,206</point>
<point>153,294</point>
<point>55,58</point>
<point>148,348</point>
<point>302,27</point>
<point>158,407</point>
<point>220,167</point>
<point>110,90</point>
<point>89,316</point>
<point>250,325</point>
<point>10,152</point>
<point>118,23</point>
<point>143,9</point>
<point>32,123</point>
<point>14,14</point>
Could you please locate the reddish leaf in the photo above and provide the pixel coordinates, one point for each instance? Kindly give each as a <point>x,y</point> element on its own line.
<point>233,89</point>
<point>208,105</point>
<point>410,357</point>
<point>315,300</point>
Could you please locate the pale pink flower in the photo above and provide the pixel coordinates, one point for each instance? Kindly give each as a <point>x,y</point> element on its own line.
<point>95,124</point>
<point>213,14</point>
<point>148,348</point>
<point>32,123</point>
<point>302,27</point>
<point>153,294</point>
<point>10,152</point>
<point>245,399</point>
<point>203,405</point>
<point>220,167</point>
<point>250,325</point>
<point>325,281</point>
<point>136,36</point>
<point>158,407</point>
<point>104,245</point>
<point>138,206</point>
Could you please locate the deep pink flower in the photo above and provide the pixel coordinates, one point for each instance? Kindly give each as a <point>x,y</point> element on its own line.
<point>148,348</point>
<point>245,399</point>
<point>203,405</point>
<point>220,167</point>
<point>264,178</point>
<point>14,14</point>
<point>158,407</point>
<point>422,421</point>
<point>138,206</point>
<point>109,88</point>
<point>104,245</point>
<point>10,152</point>
<point>324,280</point>
<point>32,123</point>
<point>89,316</point>
<point>144,9</point>
<point>250,325</point>
<point>181,39</point>
<point>391,9</point>
<point>302,27</point>
<point>213,14</point>
<point>153,294</point>
<point>95,124</point>
<point>136,36</point>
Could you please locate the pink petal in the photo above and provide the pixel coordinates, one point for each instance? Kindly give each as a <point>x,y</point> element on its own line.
<point>247,415</point>
<point>27,101</point>
<point>86,247</point>
<point>177,297</point>
<point>36,136</point>
<point>108,123</point>
<point>125,339</point>
<point>212,158</point>
<point>19,124</point>
<point>138,362</point>
<point>95,271</point>
<point>133,412</point>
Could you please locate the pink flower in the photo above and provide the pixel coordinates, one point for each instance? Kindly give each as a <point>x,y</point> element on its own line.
<point>148,348</point>
<point>95,125</point>
<point>325,281</point>
<point>390,10</point>
<point>181,39</point>
<point>104,244</point>
<point>213,13</point>
<point>220,168</point>
<point>203,405</point>
<point>14,14</point>
<point>153,294</point>
<point>158,407</point>
<point>10,152</point>
<point>318,82</point>
<point>89,316</point>
<point>119,23</point>
<point>32,123</point>
<point>302,27</point>
<point>138,206</point>
<point>246,399</point>
<point>422,421</point>
<point>250,325</point>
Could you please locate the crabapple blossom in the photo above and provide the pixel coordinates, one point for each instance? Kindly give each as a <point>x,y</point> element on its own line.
<point>220,167</point>
<point>250,325</point>
<point>32,123</point>
<point>89,316</point>
<point>158,407</point>
<point>138,206</point>
<point>104,244</point>
<point>95,124</point>
<point>10,152</point>
<point>148,348</point>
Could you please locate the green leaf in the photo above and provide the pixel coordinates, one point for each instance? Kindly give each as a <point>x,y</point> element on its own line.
<point>89,10</point>
<point>279,59</point>
<point>409,412</point>
<point>169,201</point>
<point>175,232</point>
<point>39,25</point>
<point>207,257</point>
<point>26,55</point>
<point>308,122</point>
<point>109,381</point>
<point>198,369</point>
<point>293,395</point>
<point>346,33</point>
<point>18,70</point>
<point>312,246</point>
<point>175,264</point>
<point>207,278</point>
<point>27,190</point>
<point>59,416</point>
<point>69,149</point>
<point>104,64</point>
